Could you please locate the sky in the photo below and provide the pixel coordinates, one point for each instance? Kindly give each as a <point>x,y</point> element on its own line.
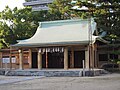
<point>11,4</point>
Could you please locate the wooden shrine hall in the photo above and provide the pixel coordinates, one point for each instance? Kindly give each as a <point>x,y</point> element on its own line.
<point>61,44</point>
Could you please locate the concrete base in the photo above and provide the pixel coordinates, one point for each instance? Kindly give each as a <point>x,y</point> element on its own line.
<point>56,72</point>
<point>2,72</point>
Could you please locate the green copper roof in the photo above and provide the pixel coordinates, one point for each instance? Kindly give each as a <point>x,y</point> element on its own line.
<point>63,32</point>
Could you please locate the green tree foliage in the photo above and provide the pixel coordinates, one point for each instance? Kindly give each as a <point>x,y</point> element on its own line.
<point>110,19</point>
<point>18,24</point>
<point>59,9</point>
<point>106,13</point>
<point>24,26</point>
<point>6,33</point>
<point>15,24</point>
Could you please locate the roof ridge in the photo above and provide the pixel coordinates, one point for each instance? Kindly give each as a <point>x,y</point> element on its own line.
<point>64,20</point>
<point>57,22</point>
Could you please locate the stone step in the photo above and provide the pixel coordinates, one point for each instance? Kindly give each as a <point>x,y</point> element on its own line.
<point>55,73</point>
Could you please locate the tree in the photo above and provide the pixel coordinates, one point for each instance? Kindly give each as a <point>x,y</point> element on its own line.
<point>19,24</point>
<point>15,24</point>
<point>59,9</point>
<point>24,26</point>
<point>6,33</point>
<point>106,13</point>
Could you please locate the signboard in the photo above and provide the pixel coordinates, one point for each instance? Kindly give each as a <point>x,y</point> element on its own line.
<point>7,60</point>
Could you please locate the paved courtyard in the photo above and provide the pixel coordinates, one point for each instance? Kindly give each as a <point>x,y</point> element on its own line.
<point>105,82</point>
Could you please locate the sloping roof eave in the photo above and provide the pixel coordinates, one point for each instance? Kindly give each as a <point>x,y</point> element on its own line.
<point>51,44</point>
<point>102,40</point>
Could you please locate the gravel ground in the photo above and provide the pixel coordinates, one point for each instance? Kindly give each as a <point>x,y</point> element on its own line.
<point>105,82</point>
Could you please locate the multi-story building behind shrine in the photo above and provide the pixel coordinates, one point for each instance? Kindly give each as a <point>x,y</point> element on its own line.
<point>38,5</point>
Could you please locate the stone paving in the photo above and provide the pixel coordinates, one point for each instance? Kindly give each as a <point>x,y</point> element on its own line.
<point>104,82</point>
<point>15,79</point>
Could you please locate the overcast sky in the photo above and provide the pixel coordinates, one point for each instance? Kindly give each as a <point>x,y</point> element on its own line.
<point>11,4</point>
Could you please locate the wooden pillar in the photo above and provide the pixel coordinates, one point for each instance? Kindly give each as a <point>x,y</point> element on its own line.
<point>65,58</point>
<point>95,52</point>
<point>10,60</point>
<point>30,58</point>
<point>87,65</point>
<point>72,54</point>
<point>91,53</point>
<point>0,59</point>
<point>10,56</point>
<point>46,60</point>
<point>98,61</point>
<point>119,58</point>
<point>93,56</point>
<point>39,60</point>
<point>20,59</point>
